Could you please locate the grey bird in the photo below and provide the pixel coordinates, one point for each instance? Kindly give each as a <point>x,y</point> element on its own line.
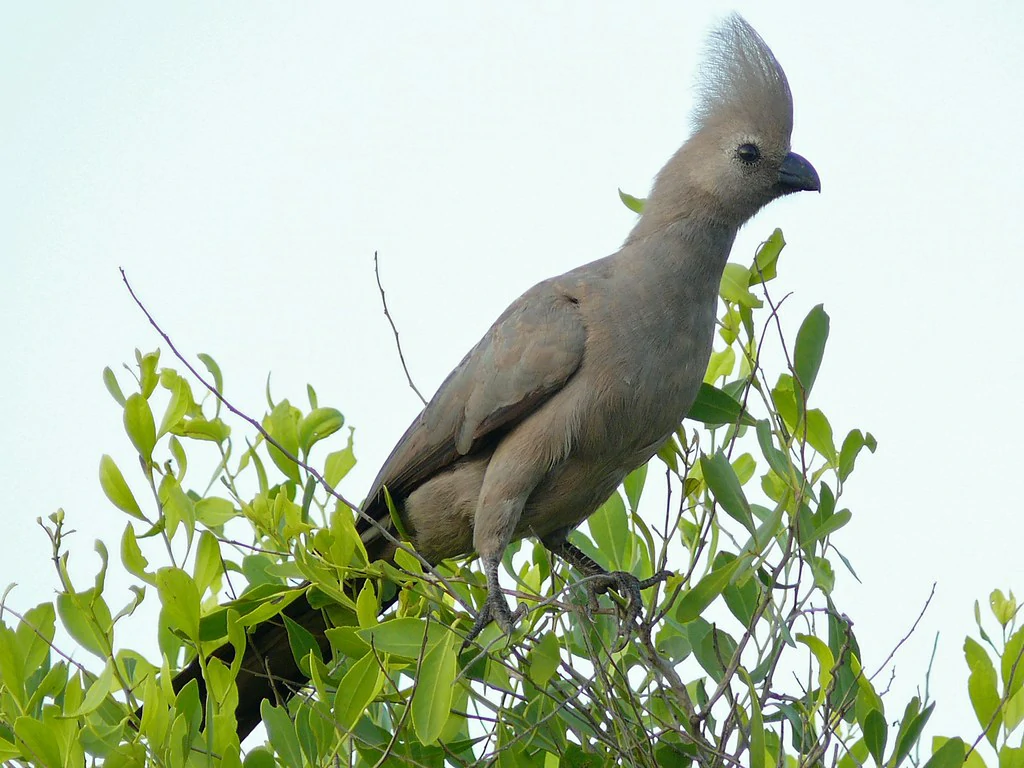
<point>583,377</point>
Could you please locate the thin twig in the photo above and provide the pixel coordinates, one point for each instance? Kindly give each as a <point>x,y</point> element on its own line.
<point>387,534</point>
<point>906,637</point>
<point>394,329</point>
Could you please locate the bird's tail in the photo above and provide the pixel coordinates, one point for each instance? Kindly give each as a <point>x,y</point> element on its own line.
<point>268,669</point>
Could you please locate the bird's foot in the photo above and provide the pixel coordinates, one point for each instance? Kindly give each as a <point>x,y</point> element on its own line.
<point>629,587</point>
<point>495,609</point>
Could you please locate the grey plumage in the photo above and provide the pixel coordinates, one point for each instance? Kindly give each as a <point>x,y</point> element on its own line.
<point>585,375</point>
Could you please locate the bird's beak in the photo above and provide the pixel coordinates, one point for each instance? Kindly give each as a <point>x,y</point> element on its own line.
<point>798,175</point>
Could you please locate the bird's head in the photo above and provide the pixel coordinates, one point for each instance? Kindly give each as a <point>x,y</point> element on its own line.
<point>738,157</point>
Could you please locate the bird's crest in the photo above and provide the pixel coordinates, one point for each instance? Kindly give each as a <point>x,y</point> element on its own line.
<point>740,78</point>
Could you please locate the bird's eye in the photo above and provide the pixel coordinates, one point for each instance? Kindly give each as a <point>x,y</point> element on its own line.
<point>748,153</point>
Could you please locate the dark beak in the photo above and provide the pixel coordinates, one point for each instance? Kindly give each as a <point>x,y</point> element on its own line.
<point>798,175</point>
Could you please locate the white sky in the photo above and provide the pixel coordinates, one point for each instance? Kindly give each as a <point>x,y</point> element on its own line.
<point>243,161</point>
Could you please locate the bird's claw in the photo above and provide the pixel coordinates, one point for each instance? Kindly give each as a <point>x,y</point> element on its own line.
<point>629,587</point>
<point>495,609</point>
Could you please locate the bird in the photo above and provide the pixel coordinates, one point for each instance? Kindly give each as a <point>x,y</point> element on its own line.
<point>581,379</point>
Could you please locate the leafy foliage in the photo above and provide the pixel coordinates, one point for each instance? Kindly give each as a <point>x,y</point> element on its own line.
<point>743,658</point>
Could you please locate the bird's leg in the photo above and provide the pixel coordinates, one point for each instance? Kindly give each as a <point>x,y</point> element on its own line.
<point>599,581</point>
<point>495,608</point>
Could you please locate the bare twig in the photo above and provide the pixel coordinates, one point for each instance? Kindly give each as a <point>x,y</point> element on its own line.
<point>394,329</point>
<point>387,534</point>
<point>906,637</point>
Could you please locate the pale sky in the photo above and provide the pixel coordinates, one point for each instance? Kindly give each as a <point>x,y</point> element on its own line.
<point>243,161</point>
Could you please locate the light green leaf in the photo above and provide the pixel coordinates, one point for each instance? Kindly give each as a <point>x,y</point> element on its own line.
<point>634,486</point>
<point>357,689</point>
<point>981,686</point>
<point>88,630</point>
<point>766,261</point>
<point>544,658</point>
<point>402,637</point>
<point>635,204</point>
<point>179,599</point>
<point>318,424</point>
<point>110,381</point>
<point>339,463</point>
<point>116,489</point>
<point>734,286</point>
<point>281,733</point>
<point>608,528</point>
<point>138,423</point>
<point>432,700</point>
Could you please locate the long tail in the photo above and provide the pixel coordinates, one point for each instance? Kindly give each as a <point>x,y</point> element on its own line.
<point>268,668</point>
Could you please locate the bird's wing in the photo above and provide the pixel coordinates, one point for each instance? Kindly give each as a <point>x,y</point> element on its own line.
<point>527,355</point>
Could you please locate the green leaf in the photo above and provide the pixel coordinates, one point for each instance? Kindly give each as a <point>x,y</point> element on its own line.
<point>810,348</point>
<point>179,600</point>
<point>214,369</point>
<point>179,404</point>
<point>1013,662</point>
<point>852,446</point>
<point>635,204</point>
<point>544,659</point>
<point>981,686</point>
<point>198,428</point>
<point>777,460</point>
<point>208,563</point>
<point>714,407</point>
<point>110,381</point>
<point>819,435</point>
<point>720,365</point>
<point>339,463</point>
<point>116,489</point>
<point>712,647</point>
<point>755,724</point>
<point>133,559</point>
<point>282,425</point>
<point>281,733</point>
<point>432,700</point>
<point>214,511</point>
<point>722,480</point>
<point>138,423</point>
<point>735,286</point>
<point>1002,608</point>
<point>357,689</point>
<point>634,486</point>
<point>949,755</point>
<point>875,735</point>
<point>74,611</point>
<point>744,466</point>
<point>608,528</point>
<point>823,655</point>
<point>302,643</point>
<point>911,726</point>
<point>97,693</point>
<point>147,371</point>
<point>766,261</point>
<point>38,737</point>
<point>403,637</point>
<point>317,425</point>
<point>260,757</point>
<point>693,602</point>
